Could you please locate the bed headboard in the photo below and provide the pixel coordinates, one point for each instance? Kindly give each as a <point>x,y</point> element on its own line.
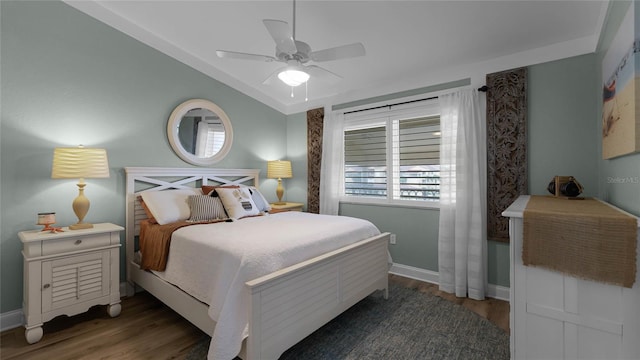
<point>142,179</point>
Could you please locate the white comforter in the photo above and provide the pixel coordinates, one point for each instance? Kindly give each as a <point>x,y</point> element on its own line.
<point>213,262</point>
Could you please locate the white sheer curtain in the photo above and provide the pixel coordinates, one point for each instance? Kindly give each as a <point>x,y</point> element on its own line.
<point>331,171</point>
<point>201,139</point>
<point>462,245</point>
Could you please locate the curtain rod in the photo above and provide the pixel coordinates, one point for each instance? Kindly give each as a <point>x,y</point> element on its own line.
<point>483,88</point>
<point>390,105</point>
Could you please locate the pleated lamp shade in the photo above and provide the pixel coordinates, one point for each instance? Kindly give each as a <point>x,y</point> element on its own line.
<point>279,169</point>
<point>79,162</point>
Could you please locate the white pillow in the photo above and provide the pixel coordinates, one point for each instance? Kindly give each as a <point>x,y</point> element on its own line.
<point>237,202</point>
<point>169,205</point>
<point>258,199</point>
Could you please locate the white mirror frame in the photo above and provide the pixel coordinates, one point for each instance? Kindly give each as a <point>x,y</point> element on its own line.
<point>174,140</point>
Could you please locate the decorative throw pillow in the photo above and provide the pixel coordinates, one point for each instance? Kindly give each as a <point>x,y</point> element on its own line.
<point>237,202</point>
<point>259,199</point>
<point>169,205</point>
<point>206,189</point>
<point>205,208</point>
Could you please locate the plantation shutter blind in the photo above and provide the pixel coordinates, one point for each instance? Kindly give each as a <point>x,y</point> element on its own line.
<point>418,145</point>
<point>366,161</point>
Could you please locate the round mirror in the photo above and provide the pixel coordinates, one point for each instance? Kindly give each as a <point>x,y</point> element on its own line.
<point>200,132</point>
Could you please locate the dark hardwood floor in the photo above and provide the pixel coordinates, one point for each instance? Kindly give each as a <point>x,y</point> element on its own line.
<point>147,329</point>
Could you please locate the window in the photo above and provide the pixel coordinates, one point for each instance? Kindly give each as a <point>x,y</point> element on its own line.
<point>393,155</point>
<point>365,162</point>
<point>418,147</point>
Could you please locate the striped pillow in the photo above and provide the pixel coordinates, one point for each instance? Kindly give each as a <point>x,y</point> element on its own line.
<point>205,208</point>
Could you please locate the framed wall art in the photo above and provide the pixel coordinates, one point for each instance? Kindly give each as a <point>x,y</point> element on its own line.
<point>620,89</point>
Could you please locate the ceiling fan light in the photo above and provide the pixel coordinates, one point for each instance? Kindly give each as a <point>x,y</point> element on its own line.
<point>293,77</point>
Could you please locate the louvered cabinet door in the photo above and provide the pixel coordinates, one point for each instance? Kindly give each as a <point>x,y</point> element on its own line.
<point>75,280</point>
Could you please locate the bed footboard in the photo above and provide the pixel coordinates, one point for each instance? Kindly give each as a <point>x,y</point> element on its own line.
<point>290,304</point>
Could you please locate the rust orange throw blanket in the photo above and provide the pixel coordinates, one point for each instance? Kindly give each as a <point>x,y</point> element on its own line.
<point>584,238</point>
<point>155,240</point>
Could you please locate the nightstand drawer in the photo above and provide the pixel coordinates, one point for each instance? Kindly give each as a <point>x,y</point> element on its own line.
<point>75,243</point>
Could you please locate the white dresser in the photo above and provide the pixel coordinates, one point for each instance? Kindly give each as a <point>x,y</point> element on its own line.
<point>65,273</point>
<point>555,316</point>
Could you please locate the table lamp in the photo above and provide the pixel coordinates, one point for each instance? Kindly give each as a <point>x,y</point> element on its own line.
<point>279,169</point>
<point>80,163</point>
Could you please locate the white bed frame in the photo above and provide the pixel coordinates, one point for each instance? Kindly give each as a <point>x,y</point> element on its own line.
<point>287,305</point>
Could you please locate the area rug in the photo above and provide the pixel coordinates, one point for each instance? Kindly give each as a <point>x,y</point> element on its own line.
<point>409,325</point>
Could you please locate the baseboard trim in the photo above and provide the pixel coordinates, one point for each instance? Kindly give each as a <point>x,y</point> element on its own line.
<point>13,319</point>
<point>493,291</point>
<point>498,292</point>
<point>123,289</point>
<point>415,273</point>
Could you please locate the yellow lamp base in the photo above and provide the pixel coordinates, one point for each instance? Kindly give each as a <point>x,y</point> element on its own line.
<point>80,208</point>
<point>279,193</point>
<point>80,226</point>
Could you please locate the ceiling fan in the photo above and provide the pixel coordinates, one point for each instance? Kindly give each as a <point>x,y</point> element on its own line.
<point>296,54</point>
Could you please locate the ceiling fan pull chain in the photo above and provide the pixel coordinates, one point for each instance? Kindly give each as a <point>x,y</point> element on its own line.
<point>292,91</point>
<point>306,91</point>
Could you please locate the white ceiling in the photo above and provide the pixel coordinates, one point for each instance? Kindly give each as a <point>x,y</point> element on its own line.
<point>407,42</point>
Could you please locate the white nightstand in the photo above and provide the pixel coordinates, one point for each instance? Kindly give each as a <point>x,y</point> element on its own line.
<point>68,272</point>
<point>290,206</point>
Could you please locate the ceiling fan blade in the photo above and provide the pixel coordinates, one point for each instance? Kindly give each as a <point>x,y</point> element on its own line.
<point>338,52</point>
<point>244,56</point>
<point>318,73</point>
<point>281,34</point>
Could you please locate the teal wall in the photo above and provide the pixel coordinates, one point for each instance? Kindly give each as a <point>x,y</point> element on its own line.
<point>68,79</point>
<point>416,231</point>
<point>618,178</point>
<point>561,129</point>
<point>296,187</point>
